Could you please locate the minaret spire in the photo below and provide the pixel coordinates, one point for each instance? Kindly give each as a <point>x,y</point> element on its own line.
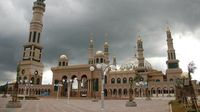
<point>91,50</point>
<point>171,51</point>
<point>173,69</point>
<point>106,48</point>
<point>31,65</point>
<point>140,52</point>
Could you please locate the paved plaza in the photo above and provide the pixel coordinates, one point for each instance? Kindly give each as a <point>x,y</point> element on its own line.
<point>86,105</point>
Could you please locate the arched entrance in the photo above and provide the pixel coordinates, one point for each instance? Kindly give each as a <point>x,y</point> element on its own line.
<point>74,86</point>
<point>84,86</point>
<point>64,87</point>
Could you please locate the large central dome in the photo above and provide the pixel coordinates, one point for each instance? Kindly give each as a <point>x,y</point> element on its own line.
<point>132,63</point>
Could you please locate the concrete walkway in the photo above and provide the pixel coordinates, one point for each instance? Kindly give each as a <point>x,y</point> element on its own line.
<point>86,105</point>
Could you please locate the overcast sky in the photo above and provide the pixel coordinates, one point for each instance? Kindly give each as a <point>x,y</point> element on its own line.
<point>68,23</point>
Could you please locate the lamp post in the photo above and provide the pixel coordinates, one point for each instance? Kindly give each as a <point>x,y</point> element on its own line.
<point>69,85</point>
<point>92,88</point>
<point>27,83</point>
<point>58,85</point>
<point>104,70</point>
<point>142,84</point>
<point>131,102</point>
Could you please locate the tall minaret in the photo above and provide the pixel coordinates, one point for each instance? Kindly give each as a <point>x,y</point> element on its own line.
<point>172,63</point>
<point>31,65</point>
<point>91,50</point>
<point>140,55</point>
<point>106,49</point>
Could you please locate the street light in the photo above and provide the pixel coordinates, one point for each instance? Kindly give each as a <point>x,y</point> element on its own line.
<point>68,83</point>
<point>27,83</point>
<point>142,84</point>
<point>92,89</point>
<point>131,102</point>
<point>58,85</point>
<point>104,70</point>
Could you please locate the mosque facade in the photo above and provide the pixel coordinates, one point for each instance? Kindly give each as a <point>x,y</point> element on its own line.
<point>85,80</point>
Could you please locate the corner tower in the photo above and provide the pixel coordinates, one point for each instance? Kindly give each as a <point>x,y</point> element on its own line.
<point>140,54</point>
<point>31,65</point>
<point>173,69</point>
<point>106,49</point>
<point>91,50</point>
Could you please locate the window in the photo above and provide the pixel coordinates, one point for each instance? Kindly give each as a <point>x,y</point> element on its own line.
<point>38,81</point>
<point>38,39</point>
<point>63,63</point>
<point>118,80</point>
<point>97,60</point>
<point>34,35</point>
<point>171,80</point>
<point>30,36</point>
<point>157,80</point>
<point>112,81</point>
<point>130,79</point>
<point>101,61</point>
<point>32,80</point>
<point>59,64</point>
<point>124,80</point>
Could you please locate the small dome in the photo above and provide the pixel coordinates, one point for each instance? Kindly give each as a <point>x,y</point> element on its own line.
<point>63,57</point>
<point>106,43</point>
<point>99,53</point>
<point>133,64</point>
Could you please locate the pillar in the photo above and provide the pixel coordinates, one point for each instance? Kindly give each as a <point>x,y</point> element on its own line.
<point>79,87</point>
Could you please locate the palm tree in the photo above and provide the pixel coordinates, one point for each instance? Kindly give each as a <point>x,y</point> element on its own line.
<point>191,68</point>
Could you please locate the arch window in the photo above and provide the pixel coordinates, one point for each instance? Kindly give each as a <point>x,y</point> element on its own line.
<point>124,80</point>
<point>32,79</point>
<point>112,81</point>
<point>97,60</point>
<point>125,92</point>
<point>38,81</point>
<point>171,80</point>
<point>157,80</point>
<point>115,92</point>
<point>130,79</point>
<point>101,60</point>
<point>63,63</point>
<point>118,80</point>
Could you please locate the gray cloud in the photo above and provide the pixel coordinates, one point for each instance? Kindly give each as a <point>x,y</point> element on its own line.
<point>67,24</point>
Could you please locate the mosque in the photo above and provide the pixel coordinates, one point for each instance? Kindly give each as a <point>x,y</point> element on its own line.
<point>85,80</point>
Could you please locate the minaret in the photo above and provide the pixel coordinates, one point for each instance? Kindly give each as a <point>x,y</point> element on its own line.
<point>172,63</point>
<point>140,55</point>
<point>31,65</point>
<point>91,50</point>
<point>106,49</point>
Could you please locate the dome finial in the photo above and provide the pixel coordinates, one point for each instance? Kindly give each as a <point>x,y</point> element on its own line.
<point>106,38</point>
<point>167,26</point>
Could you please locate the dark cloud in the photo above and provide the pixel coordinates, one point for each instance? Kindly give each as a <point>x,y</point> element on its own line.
<point>67,24</point>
